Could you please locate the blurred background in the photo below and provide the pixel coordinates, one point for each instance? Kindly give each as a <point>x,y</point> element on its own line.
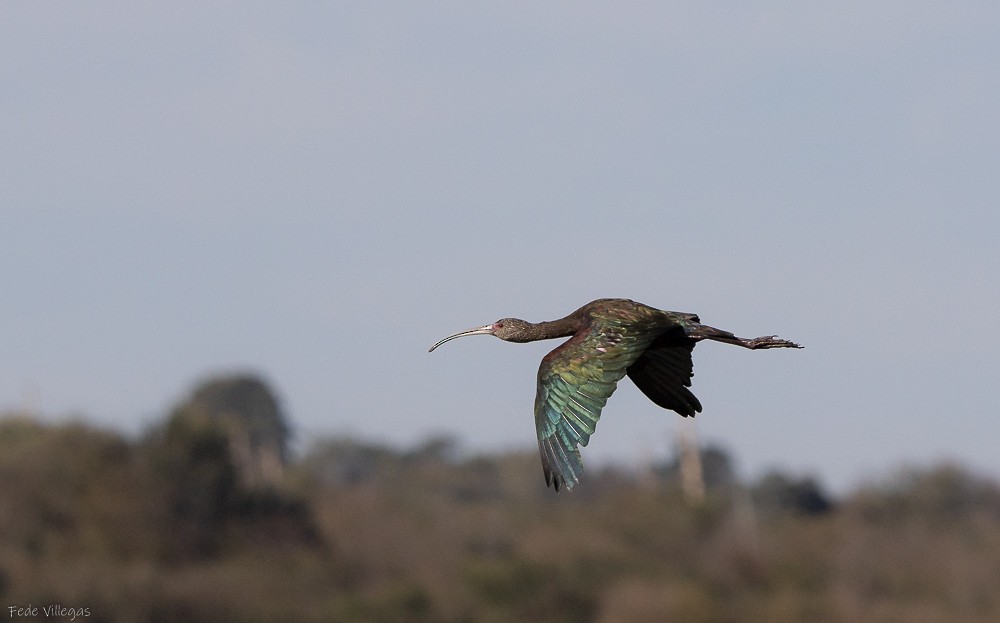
<point>229,234</point>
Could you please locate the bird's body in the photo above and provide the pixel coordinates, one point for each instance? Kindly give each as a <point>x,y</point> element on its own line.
<point>609,339</point>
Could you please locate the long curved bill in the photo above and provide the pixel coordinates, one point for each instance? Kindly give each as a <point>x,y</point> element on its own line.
<point>487,330</point>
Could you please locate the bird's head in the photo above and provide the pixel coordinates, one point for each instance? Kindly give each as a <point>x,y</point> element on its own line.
<point>507,329</point>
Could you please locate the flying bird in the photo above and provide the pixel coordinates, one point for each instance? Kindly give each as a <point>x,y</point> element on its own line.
<point>608,339</point>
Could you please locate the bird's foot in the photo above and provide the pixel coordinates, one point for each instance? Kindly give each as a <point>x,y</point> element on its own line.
<point>770,341</point>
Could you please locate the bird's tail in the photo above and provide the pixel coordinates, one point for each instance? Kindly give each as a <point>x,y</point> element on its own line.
<point>705,332</point>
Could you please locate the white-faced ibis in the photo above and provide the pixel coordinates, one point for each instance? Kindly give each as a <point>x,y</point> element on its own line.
<point>609,338</point>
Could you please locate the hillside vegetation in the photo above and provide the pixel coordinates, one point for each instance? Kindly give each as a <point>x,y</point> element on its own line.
<point>166,528</point>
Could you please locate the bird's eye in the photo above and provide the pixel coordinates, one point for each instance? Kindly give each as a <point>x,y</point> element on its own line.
<point>498,325</point>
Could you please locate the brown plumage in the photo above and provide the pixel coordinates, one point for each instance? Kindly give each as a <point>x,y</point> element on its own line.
<point>608,339</point>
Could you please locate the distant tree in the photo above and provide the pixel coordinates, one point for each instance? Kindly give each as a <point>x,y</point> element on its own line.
<point>342,461</point>
<point>192,456</point>
<point>940,493</point>
<point>778,492</point>
<point>219,456</point>
<point>716,466</point>
<point>441,448</point>
<point>247,411</point>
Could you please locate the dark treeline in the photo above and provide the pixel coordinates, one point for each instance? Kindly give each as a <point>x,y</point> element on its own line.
<point>206,518</point>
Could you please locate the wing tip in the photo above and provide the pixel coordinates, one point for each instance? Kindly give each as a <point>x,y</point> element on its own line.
<point>557,481</point>
<point>556,476</point>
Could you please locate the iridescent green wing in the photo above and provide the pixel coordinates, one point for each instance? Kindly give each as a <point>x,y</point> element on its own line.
<point>574,383</point>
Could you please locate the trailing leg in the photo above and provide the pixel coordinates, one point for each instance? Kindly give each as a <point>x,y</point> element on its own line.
<point>705,332</point>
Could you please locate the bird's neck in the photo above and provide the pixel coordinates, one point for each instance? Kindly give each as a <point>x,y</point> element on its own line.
<point>550,329</point>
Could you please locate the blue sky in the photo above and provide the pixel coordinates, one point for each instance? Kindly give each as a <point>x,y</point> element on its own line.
<point>318,192</point>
